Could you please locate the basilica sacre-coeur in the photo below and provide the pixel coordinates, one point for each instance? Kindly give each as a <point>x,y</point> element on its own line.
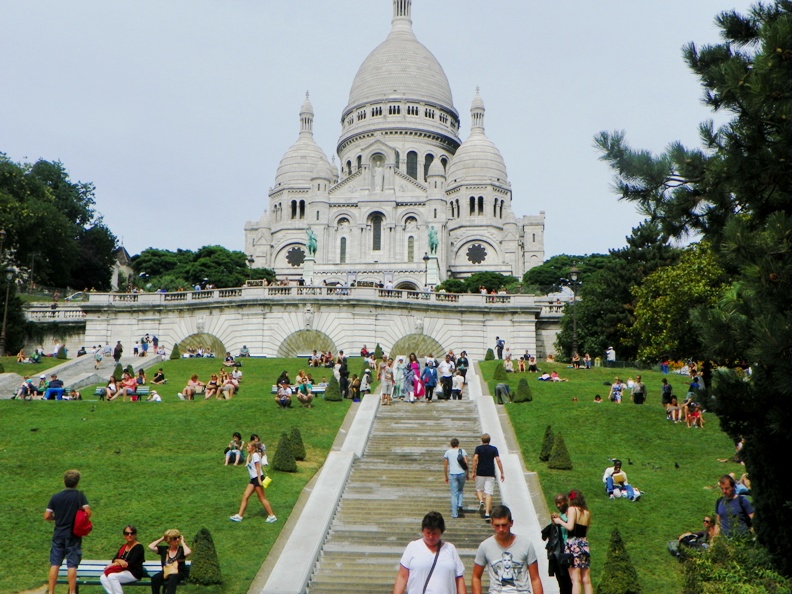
<point>412,204</point>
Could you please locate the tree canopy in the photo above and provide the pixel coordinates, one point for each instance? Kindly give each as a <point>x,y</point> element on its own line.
<point>547,276</point>
<point>736,192</point>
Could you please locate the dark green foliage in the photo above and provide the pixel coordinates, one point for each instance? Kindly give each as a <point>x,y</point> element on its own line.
<point>523,393</point>
<point>16,324</point>
<point>500,372</point>
<point>118,372</point>
<point>547,444</point>
<point>452,285</point>
<point>618,574</point>
<point>175,353</point>
<point>736,192</point>
<point>2,369</point>
<point>283,459</point>
<point>559,456</point>
<point>490,355</point>
<point>333,390</point>
<point>61,353</point>
<point>492,281</point>
<point>378,352</point>
<point>297,445</point>
<point>130,370</point>
<point>549,274</point>
<point>205,567</point>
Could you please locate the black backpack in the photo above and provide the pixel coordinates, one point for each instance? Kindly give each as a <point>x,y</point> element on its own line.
<point>461,460</point>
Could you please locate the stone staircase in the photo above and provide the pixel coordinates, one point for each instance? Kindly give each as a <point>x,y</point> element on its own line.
<point>391,487</point>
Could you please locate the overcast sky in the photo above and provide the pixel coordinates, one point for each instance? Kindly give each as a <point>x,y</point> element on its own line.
<point>180,110</point>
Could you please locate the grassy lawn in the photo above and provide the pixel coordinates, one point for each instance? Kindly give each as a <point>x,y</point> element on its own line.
<point>32,369</point>
<point>676,499</point>
<point>156,466</point>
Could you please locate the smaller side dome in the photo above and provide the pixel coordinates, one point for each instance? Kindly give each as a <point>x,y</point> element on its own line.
<point>304,158</point>
<point>477,159</point>
<point>436,169</point>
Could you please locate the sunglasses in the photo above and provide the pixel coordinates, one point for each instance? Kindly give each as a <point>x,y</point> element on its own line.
<point>175,538</point>
<point>707,521</point>
<point>127,533</point>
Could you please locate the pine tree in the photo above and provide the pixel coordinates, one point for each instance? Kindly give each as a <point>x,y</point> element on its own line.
<point>333,390</point>
<point>378,352</point>
<point>559,456</point>
<point>523,391</point>
<point>500,373</point>
<point>297,445</point>
<point>618,574</point>
<point>205,566</point>
<point>736,192</point>
<point>284,459</point>
<point>547,444</point>
<point>175,353</point>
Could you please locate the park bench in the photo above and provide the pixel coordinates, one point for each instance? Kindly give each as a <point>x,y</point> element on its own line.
<point>141,391</point>
<point>90,570</point>
<point>314,390</point>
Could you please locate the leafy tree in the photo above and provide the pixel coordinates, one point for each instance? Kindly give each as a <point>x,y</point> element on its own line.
<point>618,574</point>
<point>605,310</point>
<point>15,323</point>
<point>95,258</point>
<point>667,298</point>
<point>452,285</point>
<point>549,274</point>
<point>736,192</point>
<point>492,281</point>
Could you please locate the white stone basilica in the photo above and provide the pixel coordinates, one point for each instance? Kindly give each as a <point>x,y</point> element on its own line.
<point>405,175</point>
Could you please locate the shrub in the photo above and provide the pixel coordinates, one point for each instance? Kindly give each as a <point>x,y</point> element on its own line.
<point>490,356</point>
<point>175,353</point>
<point>118,371</point>
<point>378,352</point>
<point>523,391</point>
<point>61,353</point>
<point>559,457</point>
<point>333,390</point>
<point>618,574</point>
<point>205,568</point>
<point>283,459</point>
<point>547,444</point>
<point>130,370</point>
<point>297,445</point>
<point>500,372</point>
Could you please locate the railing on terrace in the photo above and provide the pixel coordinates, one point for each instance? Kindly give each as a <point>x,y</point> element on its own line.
<point>257,290</point>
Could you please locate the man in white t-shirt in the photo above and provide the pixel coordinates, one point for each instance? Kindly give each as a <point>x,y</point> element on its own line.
<point>446,370</point>
<point>510,559</point>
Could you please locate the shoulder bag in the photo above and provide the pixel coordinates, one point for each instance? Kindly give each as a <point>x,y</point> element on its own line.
<point>431,571</point>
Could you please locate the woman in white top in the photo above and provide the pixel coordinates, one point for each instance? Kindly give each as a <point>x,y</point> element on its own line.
<point>254,470</point>
<point>430,565</point>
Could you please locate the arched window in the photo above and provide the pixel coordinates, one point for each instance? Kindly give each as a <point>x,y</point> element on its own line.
<point>481,205</point>
<point>359,163</point>
<point>397,163</point>
<point>452,209</point>
<point>459,212</point>
<point>427,162</point>
<point>495,208</point>
<point>534,238</point>
<point>501,209</point>
<point>444,163</point>
<point>472,205</point>
<point>293,209</point>
<point>302,209</point>
<point>317,215</point>
<point>376,233</point>
<point>349,167</point>
<point>412,164</point>
<point>342,251</point>
<point>411,249</point>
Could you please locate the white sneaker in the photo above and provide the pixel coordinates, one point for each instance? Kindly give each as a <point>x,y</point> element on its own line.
<point>236,518</point>
<point>181,396</point>
<point>270,519</point>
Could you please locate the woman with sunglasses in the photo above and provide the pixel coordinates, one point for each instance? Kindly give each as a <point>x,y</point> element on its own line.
<point>172,551</point>
<point>126,566</point>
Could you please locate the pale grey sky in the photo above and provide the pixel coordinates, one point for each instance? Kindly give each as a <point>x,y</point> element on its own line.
<point>180,110</point>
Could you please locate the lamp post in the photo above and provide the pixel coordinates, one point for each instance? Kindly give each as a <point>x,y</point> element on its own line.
<point>573,276</point>
<point>9,275</point>
<point>426,270</point>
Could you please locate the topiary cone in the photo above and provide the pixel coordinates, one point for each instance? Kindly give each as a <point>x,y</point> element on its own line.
<point>490,356</point>
<point>547,444</point>
<point>500,372</point>
<point>333,390</point>
<point>297,445</point>
<point>205,567</point>
<point>559,457</point>
<point>175,353</point>
<point>618,574</point>
<point>284,459</point>
<point>523,391</point>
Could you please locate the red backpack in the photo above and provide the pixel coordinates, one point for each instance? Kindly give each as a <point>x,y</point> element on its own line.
<point>82,524</point>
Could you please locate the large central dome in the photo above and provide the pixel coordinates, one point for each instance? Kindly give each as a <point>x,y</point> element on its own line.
<point>401,66</point>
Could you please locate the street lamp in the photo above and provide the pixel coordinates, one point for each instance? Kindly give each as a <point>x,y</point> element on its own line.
<point>9,274</point>
<point>573,276</point>
<point>426,270</point>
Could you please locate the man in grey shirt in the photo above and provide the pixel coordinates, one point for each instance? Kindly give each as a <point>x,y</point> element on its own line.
<point>510,559</point>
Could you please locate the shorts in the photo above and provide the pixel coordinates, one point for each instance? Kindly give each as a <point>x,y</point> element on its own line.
<point>66,548</point>
<point>387,387</point>
<point>485,484</point>
<point>256,482</point>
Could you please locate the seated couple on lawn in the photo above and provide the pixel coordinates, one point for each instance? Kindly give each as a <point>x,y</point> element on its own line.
<point>616,484</point>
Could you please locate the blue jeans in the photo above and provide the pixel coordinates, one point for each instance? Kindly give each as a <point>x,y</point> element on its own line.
<point>609,486</point>
<point>457,483</point>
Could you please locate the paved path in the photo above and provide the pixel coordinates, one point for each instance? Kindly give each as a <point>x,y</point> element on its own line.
<point>368,501</point>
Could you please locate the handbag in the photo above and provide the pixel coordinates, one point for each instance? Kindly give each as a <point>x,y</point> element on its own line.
<point>113,569</point>
<point>170,569</point>
<point>266,481</point>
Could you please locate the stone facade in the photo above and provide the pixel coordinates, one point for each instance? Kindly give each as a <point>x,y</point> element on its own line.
<point>405,174</point>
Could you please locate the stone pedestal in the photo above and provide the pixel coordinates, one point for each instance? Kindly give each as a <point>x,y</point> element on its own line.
<point>308,270</point>
<point>432,271</point>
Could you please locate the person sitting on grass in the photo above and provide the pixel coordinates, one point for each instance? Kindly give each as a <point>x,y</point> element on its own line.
<point>235,449</point>
<point>555,377</point>
<point>284,396</point>
<point>304,393</point>
<point>694,417</point>
<point>194,386</point>
<point>616,484</point>
<point>159,377</point>
<point>212,388</point>
<point>26,390</point>
<point>21,357</point>
<point>673,410</point>
<point>73,395</point>
<point>694,541</point>
<point>521,365</point>
<point>244,351</point>
<point>508,365</point>
<point>154,397</point>
<point>141,377</point>
<point>229,360</point>
<point>229,387</point>
<point>532,368</point>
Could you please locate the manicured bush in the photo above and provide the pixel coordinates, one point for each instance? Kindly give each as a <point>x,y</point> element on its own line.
<point>333,390</point>
<point>205,568</point>
<point>297,445</point>
<point>547,444</point>
<point>118,371</point>
<point>378,352</point>
<point>618,574</point>
<point>490,356</point>
<point>61,353</point>
<point>175,353</point>
<point>2,369</point>
<point>130,370</point>
<point>523,391</point>
<point>284,459</point>
<point>559,456</point>
<point>500,374</point>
